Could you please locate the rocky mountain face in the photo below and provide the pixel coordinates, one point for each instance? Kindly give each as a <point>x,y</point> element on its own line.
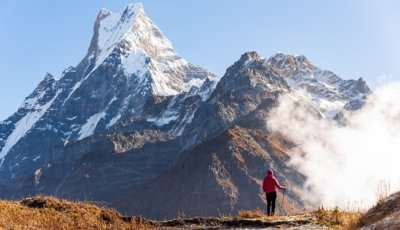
<point>135,120</point>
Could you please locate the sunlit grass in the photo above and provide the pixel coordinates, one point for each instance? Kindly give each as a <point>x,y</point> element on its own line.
<point>51,213</point>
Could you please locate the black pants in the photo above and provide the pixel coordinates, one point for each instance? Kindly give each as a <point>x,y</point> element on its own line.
<point>271,198</point>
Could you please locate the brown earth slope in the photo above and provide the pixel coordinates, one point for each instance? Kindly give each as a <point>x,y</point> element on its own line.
<point>385,215</point>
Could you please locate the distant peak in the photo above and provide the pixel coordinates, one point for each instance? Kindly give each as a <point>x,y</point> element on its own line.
<point>130,9</point>
<point>248,58</point>
<point>283,60</point>
<point>286,56</point>
<point>252,55</point>
<point>133,29</point>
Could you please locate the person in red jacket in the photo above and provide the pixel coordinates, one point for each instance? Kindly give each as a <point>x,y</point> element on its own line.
<point>270,186</point>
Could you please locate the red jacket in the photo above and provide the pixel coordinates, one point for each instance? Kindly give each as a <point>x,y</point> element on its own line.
<point>270,183</point>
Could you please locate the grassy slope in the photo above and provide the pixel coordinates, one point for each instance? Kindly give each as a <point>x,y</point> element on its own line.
<point>51,213</point>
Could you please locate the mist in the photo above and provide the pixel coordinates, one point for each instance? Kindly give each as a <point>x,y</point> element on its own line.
<point>348,166</point>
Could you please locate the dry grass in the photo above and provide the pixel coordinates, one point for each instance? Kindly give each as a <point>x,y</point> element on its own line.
<point>382,192</point>
<point>51,213</point>
<point>252,214</point>
<point>260,215</point>
<point>337,219</point>
<point>334,219</point>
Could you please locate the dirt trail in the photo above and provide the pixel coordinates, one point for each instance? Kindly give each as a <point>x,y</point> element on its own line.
<point>287,222</point>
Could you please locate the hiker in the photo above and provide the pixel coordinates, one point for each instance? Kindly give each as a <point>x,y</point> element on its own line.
<point>270,186</point>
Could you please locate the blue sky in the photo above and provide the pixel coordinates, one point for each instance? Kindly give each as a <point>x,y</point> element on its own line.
<point>358,38</point>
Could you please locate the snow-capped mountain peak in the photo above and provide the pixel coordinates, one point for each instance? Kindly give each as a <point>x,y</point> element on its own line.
<point>129,65</point>
<point>131,26</point>
<point>327,92</point>
<point>142,49</point>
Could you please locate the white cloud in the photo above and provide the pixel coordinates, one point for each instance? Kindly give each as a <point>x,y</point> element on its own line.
<point>345,164</point>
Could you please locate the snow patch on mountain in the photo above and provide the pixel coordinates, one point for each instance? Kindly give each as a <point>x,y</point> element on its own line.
<point>25,124</point>
<point>36,158</point>
<point>194,83</point>
<point>109,35</point>
<point>165,119</point>
<point>180,127</point>
<point>88,128</point>
<point>113,121</point>
<point>135,63</point>
<point>76,86</point>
